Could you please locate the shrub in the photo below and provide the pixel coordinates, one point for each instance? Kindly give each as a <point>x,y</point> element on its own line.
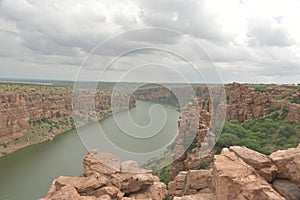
<point>204,165</point>
<point>58,115</point>
<point>233,128</point>
<point>227,140</point>
<point>287,131</point>
<point>295,100</point>
<point>254,145</point>
<point>261,88</point>
<point>163,174</point>
<point>284,112</point>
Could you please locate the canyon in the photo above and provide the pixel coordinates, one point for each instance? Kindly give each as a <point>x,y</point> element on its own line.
<point>237,173</point>
<point>22,105</point>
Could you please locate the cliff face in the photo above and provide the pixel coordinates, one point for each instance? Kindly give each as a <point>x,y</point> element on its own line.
<point>237,174</point>
<point>193,123</point>
<point>21,106</point>
<point>20,109</point>
<point>244,102</point>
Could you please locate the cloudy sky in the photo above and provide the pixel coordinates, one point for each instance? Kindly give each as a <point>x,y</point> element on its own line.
<point>248,40</point>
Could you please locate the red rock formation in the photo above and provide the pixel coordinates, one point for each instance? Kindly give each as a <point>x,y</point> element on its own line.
<point>102,178</point>
<point>20,108</point>
<point>193,122</point>
<point>235,175</point>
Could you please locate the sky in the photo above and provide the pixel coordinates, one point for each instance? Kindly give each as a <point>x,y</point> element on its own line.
<point>249,41</point>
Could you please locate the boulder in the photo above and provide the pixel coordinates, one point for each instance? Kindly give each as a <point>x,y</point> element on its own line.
<point>177,187</point>
<point>104,197</point>
<point>102,163</point>
<point>69,192</point>
<point>136,183</point>
<point>82,184</point>
<point>288,189</point>
<point>251,157</point>
<point>196,197</point>
<point>66,192</point>
<point>199,179</point>
<point>288,164</point>
<point>157,191</point>
<point>260,162</point>
<point>113,192</point>
<point>234,179</point>
<point>130,166</point>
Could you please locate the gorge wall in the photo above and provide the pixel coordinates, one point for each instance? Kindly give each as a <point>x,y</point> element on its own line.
<point>21,105</point>
<point>244,102</point>
<point>20,108</point>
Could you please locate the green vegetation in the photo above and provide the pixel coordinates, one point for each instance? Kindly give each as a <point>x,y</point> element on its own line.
<point>261,88</point>
<point>4,144</point>
<point>262,134</point>
<point>289,93</point>
<point>58,115</point>
<point>295,100</point>
<point>204,165</point>
<point>163,174</point>
<point>278,113</point>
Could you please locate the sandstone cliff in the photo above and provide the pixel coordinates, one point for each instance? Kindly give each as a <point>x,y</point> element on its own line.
<point>244,101</point>
<point>31,114</point>
<point>22,105</point>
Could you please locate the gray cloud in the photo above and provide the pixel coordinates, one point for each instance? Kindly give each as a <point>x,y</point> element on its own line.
<point>262,32</point>
<point>189,17</point>
<point>50,37</point>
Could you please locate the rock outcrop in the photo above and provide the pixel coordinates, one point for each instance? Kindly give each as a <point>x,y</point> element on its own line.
<point>102,178</point>
<point>235,175</point>
<point>239,173</point>
<point>288,164</point>
<point>288,189</point>
<point>194,132</point>
<point>243,102</point>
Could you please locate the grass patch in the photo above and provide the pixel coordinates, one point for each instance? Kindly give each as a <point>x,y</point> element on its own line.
<point>261,88</point>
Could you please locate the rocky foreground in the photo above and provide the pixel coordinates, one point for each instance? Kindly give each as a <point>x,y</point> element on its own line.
<point>238,173</point>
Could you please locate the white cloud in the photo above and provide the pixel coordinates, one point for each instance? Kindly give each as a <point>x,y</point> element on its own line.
<point>253,40</point>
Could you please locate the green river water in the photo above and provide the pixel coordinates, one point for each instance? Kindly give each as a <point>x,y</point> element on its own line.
<point>27,173</point>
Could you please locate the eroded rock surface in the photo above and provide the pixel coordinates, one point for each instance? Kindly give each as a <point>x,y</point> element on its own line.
<point>236,174</point>
<point>288,164</point>
<point>102,178</point>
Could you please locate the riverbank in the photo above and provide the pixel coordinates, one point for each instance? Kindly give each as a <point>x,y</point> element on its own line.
<point>45,130</point>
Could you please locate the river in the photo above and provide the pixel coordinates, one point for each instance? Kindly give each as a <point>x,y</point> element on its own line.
<point>27,173</point>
